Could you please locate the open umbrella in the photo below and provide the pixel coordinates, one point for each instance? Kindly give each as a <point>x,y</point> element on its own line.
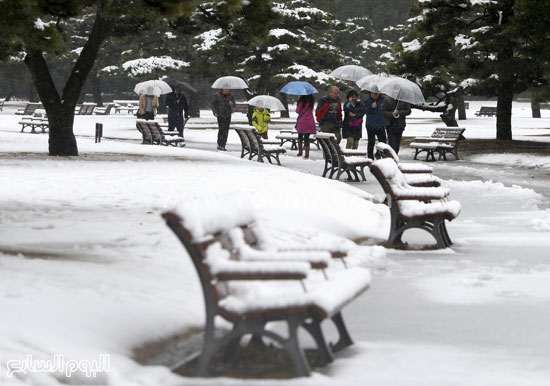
<point>350,72</point>
<point>372,83</point>
<point>152,87</point>
<point>230,82</point>
<point>298,88</point>
<point>402,89</point>
<point>267,102</point>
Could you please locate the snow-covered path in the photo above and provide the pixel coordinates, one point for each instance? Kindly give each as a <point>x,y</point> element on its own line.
<point>87,266</point>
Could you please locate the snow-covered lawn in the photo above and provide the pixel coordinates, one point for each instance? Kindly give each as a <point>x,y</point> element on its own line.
<point>87,267</point>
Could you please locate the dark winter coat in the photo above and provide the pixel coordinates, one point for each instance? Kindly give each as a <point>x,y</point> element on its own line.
<point>223,105</point>
<point>358,109</point>
<point>374,117</point>
<point>177,105</point>
<point>403,109</point>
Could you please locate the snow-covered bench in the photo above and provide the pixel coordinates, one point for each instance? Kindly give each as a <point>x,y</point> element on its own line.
<point>415,174</point>
<point>2,101</point>
<point>338,160</point>
<point>250,288</point>
<point>443,140</point>
<point>292,136</point>
<point>412,207</point>
<point>255,146</point>
<point>105,110</point>
<point>159,137</point>
<point>147,138</point>
<point>33,123</point>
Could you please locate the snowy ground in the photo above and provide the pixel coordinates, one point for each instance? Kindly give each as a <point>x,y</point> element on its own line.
<point>88,268</point>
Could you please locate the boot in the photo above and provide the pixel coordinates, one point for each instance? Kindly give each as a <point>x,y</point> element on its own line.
<point>306,149</point>
<point>299,149</point>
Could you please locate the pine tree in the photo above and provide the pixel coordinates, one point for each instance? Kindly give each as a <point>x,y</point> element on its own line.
<point>486,47</point>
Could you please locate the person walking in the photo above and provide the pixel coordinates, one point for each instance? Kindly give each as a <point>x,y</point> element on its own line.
<point>260,120</point>
<point>223,106</point>
<point>352,125</point>
<point>375,122</point>
<point>329,113</point>
<point>178,110</point>
<point>394,120</point>
<point>305,124</point>
<point>148,103</point>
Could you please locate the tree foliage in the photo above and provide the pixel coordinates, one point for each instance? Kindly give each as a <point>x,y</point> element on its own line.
<point>490,48</point>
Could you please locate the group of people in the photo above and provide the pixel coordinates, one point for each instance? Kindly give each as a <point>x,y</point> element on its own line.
<point>384,118</point>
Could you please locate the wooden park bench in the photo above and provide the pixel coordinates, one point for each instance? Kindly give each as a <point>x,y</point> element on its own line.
<point>130,107</point>
<point>415,174</point>
<point>339,161</point>
<point>147,138</point>
<point>159,137</point>
<point>254,145</point>
<point>412,207</point>
<point>29,109</point>
<point>443,140</point>
<point>241,107</point>
<point>250,289</point>
<point>105,110</point>
<point>291,136</point>
<point>85,109</point>
<point>34,123</point>
<point>488,111</point>
<point>2,102</point>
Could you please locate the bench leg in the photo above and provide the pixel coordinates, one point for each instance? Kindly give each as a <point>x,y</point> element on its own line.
<point>324,353</point>
<point>344,339</point>
<point>416,153</point>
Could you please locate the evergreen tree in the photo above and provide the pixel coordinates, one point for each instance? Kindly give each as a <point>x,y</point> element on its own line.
<point>487,47</point>
<point>40,29</point>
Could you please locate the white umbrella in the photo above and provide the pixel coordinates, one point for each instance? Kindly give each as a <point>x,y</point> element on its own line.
<point>350,72</point>
<point>152,87</point>
<point>372,83</point>
<point>267,102</point>
<point>230,82</point>
<point>402,89</point>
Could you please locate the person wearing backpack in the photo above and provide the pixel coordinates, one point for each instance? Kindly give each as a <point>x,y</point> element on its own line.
<point>352,126</point>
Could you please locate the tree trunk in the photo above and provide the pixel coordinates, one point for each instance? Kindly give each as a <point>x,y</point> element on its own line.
<point>60,109</point>
<point>504,111</point>
<point>535,108</point>
<point>284,100</point>
<point>95,81</point>
<point>505,91</point>
<point>461,108</point>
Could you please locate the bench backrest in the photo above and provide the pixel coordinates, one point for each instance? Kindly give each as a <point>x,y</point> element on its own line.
<point>329,154</point>
<point>31,107</point>
<point>450,133</point>
<point>254,140</point>
<point>145,131</point>
<point>488,109</point>
<point>383,150</point>
<point>245,142</point>
<point>156,132</point>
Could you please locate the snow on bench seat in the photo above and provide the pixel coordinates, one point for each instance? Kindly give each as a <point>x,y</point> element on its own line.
<point>412,209</point>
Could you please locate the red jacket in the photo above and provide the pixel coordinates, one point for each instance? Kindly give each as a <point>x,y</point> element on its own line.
<point>322,109</point>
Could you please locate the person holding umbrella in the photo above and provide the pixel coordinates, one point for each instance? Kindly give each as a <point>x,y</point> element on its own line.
<point>223,106</point>
<point>305,124</point>
<point>394,119</point>
<point>177,110</point>
<point>375,120</point>
<point>148,103</point>
<point>329,113</point>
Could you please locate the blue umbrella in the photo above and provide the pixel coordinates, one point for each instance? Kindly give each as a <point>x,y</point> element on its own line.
<point>298,88</point>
